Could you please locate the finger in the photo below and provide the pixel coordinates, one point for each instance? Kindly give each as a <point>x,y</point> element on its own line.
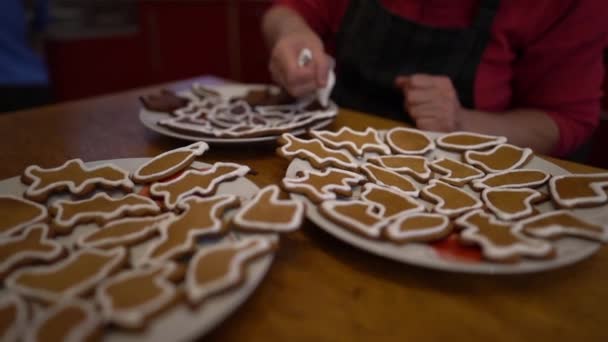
<point>421,81</point>
<point>420,96</point>
<point>292,73</point>
<point>401,81</point>
<point>277,77</point>
<point>425,111</point>
<point>302,89</point>
<point>428,124</point>
<point>322,65</point>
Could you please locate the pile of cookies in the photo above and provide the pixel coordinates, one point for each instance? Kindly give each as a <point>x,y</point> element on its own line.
<point>398,186</point>
<point>68,264</point>
<point>205,113</point>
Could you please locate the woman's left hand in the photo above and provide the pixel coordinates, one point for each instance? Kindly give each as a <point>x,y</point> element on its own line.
<point>431,101</point>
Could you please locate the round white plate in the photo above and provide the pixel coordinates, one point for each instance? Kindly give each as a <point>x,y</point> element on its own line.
<point>568,250</point>
<point>181,322</point>
<point>150,118</point>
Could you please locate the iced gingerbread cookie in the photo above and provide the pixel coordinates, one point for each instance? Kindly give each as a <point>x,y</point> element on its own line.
<point>75,177</point>
<point>391,179</point>
<point>201,216</point>
<point>32,246</point>
<point>449,200</point>
<point>204,93</point>
<point>13,317</point>
<point>165,101</point>
<point>466,141</point>
<point>390,202</point>
<point>502,157</point>
<point>579,190</point>
<point>266,212</point>
<point>18,213</point>
<point>418,227</point>
<point>168,163</point>
<point>455,172</point>
<point>223,266</point>
<point>131,298</point>
<point>408,141</point>
<point>356,142</point>
<point>323,185</point>
<point>100,209</point>
<point>500,241</point>
<point>314,152</point>
<point>194,182</point>
<point>124,232</point>
<point>415,166</point>
<point>512,204</point>
<point>71,321</point>
<point>560,223</point>
<point>360,217</point>
<point>71,277</point>
<point>521,178</point>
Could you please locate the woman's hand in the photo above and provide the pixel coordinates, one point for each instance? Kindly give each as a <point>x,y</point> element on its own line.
<point>432,102</point>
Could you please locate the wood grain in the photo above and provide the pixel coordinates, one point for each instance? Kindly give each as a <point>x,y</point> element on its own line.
<point>320,289</point>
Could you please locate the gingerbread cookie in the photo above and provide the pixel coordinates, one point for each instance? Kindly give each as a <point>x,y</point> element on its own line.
<point>221,267</point>
<point>266,212</point>
<point>356,142</point>
<point>323,185</point>
<point>75,177</point>
<point>18,213</point>
<point>409,141</point>
<point>70,321</point>
<point>201,216</point>
<point>31,246</point>
<point>579,190</point>
<point>500,158</point>
<point>466,141</point>
<point>455,172</point>
<point>512,204</point>
<point>415,166</point>
<point>100,209</point>
<point>124,232</point>
<point>165,101</point>
<point>194,182</point>
<point>131,298</point>
<point>391,203</point>
<point>13,317</point>
<point>391,179</point>
<point>314,152</point>
<point>74,276</point>
<point>555,224</point>
<point>360,217</point>
<point>449,200</point>
<point>168,163</point>
<point>500,241</point>
<point>204,93</point>
<point>267,97</point>
<point>418,227</point>
<point>521,178</point>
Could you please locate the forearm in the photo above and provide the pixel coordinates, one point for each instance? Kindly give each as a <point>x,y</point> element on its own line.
<point>523,127</point>
<point>280,21</point>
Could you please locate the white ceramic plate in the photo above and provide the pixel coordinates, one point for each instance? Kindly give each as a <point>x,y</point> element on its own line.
<point>568,250</point>
<point>180,323</point>
<point>150,118</point>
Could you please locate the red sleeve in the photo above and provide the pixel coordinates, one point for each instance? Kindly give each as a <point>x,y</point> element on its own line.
<point>317,13</point>
<point>560,69</point>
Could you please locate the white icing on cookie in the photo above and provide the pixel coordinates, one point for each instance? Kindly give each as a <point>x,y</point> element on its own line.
<point>372,229</point>
<point>448,175</point>
<point>524,246</point>
<point>429,145</point>
<point>395,232</point>
<point>343,138</point>
<point>441,205</point>
<point>416,206</point>
<point>112,260</point>
<point>391,179</point>
<point>13,204</point>
<point>385,162</point>
<point>338,158</point>
<point>195,150</point>
<point>275,204</point>
<point>539,178</point>
<point>490,141</point>
<point>546,226</point>
<point>328,191</point>
<point>591,187</point>
<point>531,197</point>
<point>19,325</point>
<point>472,157</point>
<point>82,332</point>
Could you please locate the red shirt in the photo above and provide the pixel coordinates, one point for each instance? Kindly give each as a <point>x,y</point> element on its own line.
<point>542,54</point>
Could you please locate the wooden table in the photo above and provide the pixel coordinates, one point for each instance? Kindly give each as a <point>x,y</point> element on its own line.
<point>319,288</point>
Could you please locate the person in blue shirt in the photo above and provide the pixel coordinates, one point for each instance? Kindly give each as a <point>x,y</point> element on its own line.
<point>24,80</point>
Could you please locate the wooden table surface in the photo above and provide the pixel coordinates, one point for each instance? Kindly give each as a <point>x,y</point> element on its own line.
<point>320,289</point>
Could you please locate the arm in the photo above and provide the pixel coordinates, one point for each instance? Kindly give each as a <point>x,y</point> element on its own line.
<point>287,34</point>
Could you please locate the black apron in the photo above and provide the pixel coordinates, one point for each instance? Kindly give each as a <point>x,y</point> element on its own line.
<point>374,46</point>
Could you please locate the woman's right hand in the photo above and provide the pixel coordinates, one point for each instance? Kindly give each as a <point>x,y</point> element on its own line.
<point>299,80</point>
